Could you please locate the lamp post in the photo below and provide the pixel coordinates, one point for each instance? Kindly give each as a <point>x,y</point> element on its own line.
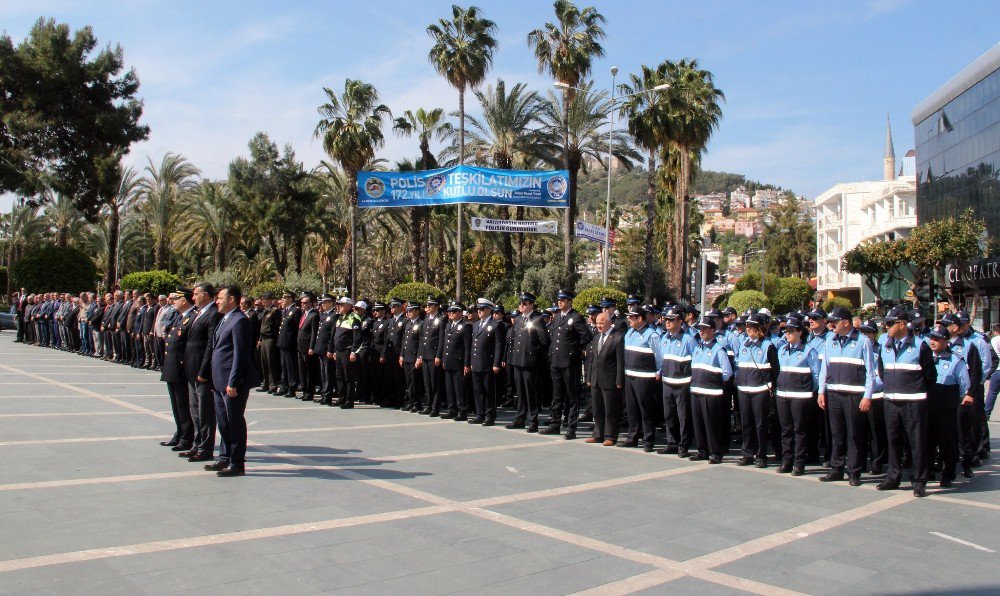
<point>611,129</point>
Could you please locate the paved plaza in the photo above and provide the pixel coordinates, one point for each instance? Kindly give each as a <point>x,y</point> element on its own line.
<point>371,501</point>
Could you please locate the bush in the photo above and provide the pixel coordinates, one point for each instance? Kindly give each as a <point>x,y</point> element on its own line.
<point>594,295</point>
<point>721,301</point>
<point>745,299</point>
<point>307,282</point>
<point>415,292</point>
<point>50,268</point>
<point>791,294</point>
<point>751,281</point>
<point>836,301</point>
<point>155,282</point>
<point>544,282</point>
<point>220,278</point>
<point>275,287</point>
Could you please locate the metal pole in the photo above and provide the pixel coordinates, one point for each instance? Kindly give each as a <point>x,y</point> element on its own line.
<point>704,281</point>
<point>354,253</point>
<point>607,211</point>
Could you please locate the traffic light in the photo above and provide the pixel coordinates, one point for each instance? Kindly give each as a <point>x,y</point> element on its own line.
<point>711,273</point>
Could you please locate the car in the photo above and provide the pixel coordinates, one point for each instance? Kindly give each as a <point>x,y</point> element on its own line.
<point>7,321</point>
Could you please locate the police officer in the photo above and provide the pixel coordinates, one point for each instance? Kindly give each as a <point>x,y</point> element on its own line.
<point>819,430</point>
<point>907,369</point>
<point>676,349</point>
<point>409,356</point>
<point>363,391</point>
<point>488,341</point>
<point>609,307</point>
<point>395,387</point>
<point>980,428</point>
<point>321,346</point>
<point>798,378</point>
<point>963,345</point>
<point>529,341</point>
<point>949,392</point>
<point>287,332</point>
<point>569,335</point>
<point>710,371</point>
<point>173,373</point>
<point>847,379</point>
<point>642,376</point>
<point>270,358</point>
<point>430,340</point>
<point>878,442</point>
<point>756,376</point>
<point>454,357</point>
<point>344,344</point>
<point>380,340</point>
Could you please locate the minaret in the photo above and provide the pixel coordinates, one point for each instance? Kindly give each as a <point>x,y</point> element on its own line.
<point>889,160</point>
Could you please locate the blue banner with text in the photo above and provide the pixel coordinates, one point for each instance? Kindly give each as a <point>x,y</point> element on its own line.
<point>464,184</point>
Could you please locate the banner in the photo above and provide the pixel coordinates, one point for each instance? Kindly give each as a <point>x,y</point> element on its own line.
<point>463,184</point>
<point>482,224</point>
<point>598,234</point>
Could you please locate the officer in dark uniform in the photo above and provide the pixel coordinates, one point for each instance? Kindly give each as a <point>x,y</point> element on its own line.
<point>488,341</point>
<point>320,346</point>
<point>344,344</point>
<point>305,336</point>
<point>504,380</point>
<point>408,358</point>
<point>454,356</point>
<point>569,335</point>
<point>363,354</point>
<point>395,384</point>
<point>380,341</point>
<point>287,332</point>
<point>270,358</point>
<point>173,372</point>
<point>198,366</point>
<point>950,392</point>
<point>609,307</point>
<point>529,342</point>
<point>430,339</point>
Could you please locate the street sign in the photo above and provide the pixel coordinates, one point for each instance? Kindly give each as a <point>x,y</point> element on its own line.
<point>598,234</point>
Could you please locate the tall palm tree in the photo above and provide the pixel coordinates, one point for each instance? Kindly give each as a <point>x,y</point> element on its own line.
<point>66,222</point>
<point>566,50</point>
<point>426,125</point>
<point>462,53</point>
<point>23,227</point>
<point>163,189</point>
<point>351,129</point>
<point>127,192</point>
<point>694,115</point>
<point>647,116</point>
<point>209,220</point>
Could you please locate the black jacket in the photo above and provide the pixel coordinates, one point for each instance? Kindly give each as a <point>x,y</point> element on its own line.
<point>488,342</point>
<point>529,341</point>
<point>430,337</point>
<point>197,356</point>
<point>289,328</point>
<point>607,367</point>
<point>176,343</point>
<point>307,327</point>
<point>569,335</point>
<point>411,340</point>
<point>455,348</point>
<point>324,331</point>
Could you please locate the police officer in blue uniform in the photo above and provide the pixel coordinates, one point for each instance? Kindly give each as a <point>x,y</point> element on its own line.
<point>950,392</point>
<point>878,439</point>
<point>676,349</point>
<point>710,371</point>
<point>756,374</point>
<point>819,429</point>
<point>642,375</point>
<point>798,378</point>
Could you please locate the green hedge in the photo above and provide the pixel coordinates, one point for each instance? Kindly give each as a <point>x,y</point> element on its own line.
<point>595,294</point>
<point>836,301</point>
<point>275,287</point>
<point>744,299</point>
<point>50,268</point>
<point>155,282</point>
<point>415,292</point>
<point>791,294</point>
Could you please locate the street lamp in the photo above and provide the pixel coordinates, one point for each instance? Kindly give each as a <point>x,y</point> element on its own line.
<point>611,129</point>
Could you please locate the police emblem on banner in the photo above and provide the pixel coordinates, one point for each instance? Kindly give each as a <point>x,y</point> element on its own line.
<point>434,184</point>
<point>374,188</point>
<point>556,187</point>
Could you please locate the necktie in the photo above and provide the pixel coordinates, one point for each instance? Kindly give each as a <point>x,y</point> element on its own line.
<point>600,344</point>
<point>899,345</point>
<point>302,321</point>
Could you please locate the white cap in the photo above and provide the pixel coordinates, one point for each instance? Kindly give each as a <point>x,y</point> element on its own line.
<point>345,300</point>
<point>361,304</point>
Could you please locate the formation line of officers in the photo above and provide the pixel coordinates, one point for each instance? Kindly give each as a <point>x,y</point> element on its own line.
<point>805,389</point>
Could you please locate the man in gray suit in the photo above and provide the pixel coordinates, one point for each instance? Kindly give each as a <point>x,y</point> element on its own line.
<point>606,378</point>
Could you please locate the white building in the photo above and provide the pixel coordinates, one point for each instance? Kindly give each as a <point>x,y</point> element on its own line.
<point>853,212</point>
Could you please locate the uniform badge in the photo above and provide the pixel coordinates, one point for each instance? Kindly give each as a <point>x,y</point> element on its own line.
<point>854,344</point>
<point>910,349</point>
<point>436,321</point>
<point>569,320</point>
<point>459,328</point>
<point>185,321</point>
<point>488,329</point>
<point>946,366</point>
<point>328,319</point>
<point>760,352</point>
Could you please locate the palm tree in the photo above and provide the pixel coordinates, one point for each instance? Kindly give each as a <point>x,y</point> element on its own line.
<point>163,189</point>
<point>351,128</point>
<point>127,192</point>
<point>425,125</point>
<point>462,53</point>
<point>209,220</point>
<point>64,220</point>
<point>647,115</point>
<point>693,117</point>
<point>23,227</point>
<point>566,50</point>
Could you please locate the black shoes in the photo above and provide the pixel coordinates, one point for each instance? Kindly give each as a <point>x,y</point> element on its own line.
<point>887,485</point>
<point>919,489</point>
<point>647,447</point>
<point>489,422</point>
<point>798,471</point>
<point>967,471</point>
<point>876,470</point>
<point>632,444</point>
<point>697,457</point>
<point>714,459</point>
<point>947,483</point>
<point>745,461</point>
<point>217,466</point>
<point>230,471</point>
<point>477,420</point>
<point>586,417</point>
<point>760,463</point>
<point>181,447</point>
<point>201,457</point>
<point>832,477</point>
<point>785,468</point>
<point>854,481</point>
<point>170,443</point>
<point>448,416</point>
<point>514,425</point>
<point>552,429</point>
<point>570,435</point>
<point>683,453</point>
<point>533,428</point>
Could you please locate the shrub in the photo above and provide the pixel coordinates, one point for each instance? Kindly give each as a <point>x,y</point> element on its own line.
<point>51,268</point>
<point>304,283</point>
<point>836,301</point>
<point>744,299</point>
<point>275,287</point>
<point>415,292</point>
<point>791,293</point>
<point>544,282</point>
<point>595,294</point>
<point>155,282</point>
<point>751,281</point>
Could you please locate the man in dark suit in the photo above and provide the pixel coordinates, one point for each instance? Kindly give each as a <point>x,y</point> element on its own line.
<point>528,346</point>
<point>488,342</point>
<point>430,339</point>
<point>197,359</point>
<point>270,358</point>
<point>253,315</point>
<point>569,335</point>
<point>146,332</point>
<point>308,366</point>
<point>606,378</point>
<point>454,356</point>
<point>233,374</point>
<point>290,315</point>
<point>173,371</point>
<point>321,344</point>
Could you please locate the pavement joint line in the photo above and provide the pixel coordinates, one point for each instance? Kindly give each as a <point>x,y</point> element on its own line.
<point>75,396</point>
<point>635,583</point>
<point>56,414</point>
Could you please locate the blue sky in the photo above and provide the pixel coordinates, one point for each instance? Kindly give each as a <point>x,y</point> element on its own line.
<point>808,84</point>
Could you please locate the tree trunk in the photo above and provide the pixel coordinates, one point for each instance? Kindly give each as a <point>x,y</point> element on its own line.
<point>162,250</point>
<point>415,242</point>
<point>297,250</point>
<point>426,242</point>
<point>280,264</point>
<point>62,237</point>
<point>508,247</point>
<point>461,161</point>
<point>219,257</point>
<point>111,272</point>
<point>650,218</point>
<point>570,215</point>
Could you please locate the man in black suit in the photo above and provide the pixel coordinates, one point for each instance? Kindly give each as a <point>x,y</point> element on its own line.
<point>197,360</point>
<point>569,334</point>
<point>148,338</point>
<point>306,335</point>
<point>321,344</point>
<point>270,358</point>
<point>253,316</point>
<point>454,356</point>
<point>529,343</point>
<point>606,378</point>
<point>488,340</point>
<point>173,371</point>
<point>430,339</point>
<point>395,385</point>
<point>287,332</point>
<point>408,357</point>
<point>233,374</point>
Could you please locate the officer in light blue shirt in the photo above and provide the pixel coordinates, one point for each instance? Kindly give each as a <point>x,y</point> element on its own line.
<point>798,378</point>
<point>756,372</point>
<point>642,376</point>
<point>676,348</point>
<point>946,397</point>
<point>710,371</point>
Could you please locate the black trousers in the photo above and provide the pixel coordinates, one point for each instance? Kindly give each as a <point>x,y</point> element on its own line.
<point>878,439</point>
<point>327,376</point>
<point>906,421</point>
<point>414,386</point>
<point>433,384</point>
<point>270,360</point>
<point>970,421</point>
<point>484,393</point>
<point>942,429</point>
<point>755,413</point>
<point>566,394</point>
<point>180,406</point>
<point>289,369</point>
<point>454,389</point>
<point>640,403</point>
<point>308,373</point>
<point>230,412</point>
<point>203,417</point>
<point>795,415</point>
<point>161,348</point>
<point>393,385</point>
<point>346,376</point>
<point>525,384</point>
<point>607,411</point>
<point>677,415</point>
<point>847,430</point>
<point>710,420</point>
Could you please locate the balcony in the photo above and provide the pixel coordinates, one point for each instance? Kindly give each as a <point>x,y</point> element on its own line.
<point>833,221</point>
<point>902,222</point>
<point>829,250</point>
